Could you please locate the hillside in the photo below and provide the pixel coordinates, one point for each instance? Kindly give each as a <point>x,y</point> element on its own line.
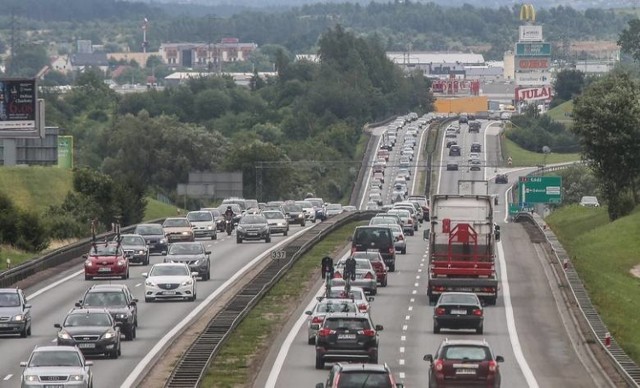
<point>562,113</point>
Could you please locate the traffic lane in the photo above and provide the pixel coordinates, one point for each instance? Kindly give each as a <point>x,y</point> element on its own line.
<point>543,335</point>
<point>388,309</point>
<point>155,318</point>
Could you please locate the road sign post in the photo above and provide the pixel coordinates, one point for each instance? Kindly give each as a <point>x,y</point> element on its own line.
<point>539,189</point>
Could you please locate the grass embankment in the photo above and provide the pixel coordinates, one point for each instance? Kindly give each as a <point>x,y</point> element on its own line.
<point>243,353</point>
<point>603,253</point>
<point>36,188</point>
<point>562,113</point>
<point>524,158</point>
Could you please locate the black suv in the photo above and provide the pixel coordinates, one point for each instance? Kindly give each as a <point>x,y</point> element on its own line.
<point>502,178</point>
<point>474,126</point>
<point>464,363</point>
<point>118,301</point>
<point>93,331</point>
<point>361,376</point>
<point>476,147</point>
<point>454,150</point>
<point>347,337</point>
<point>375,237</point>
<point>15,312</point>
<point>294,213</point>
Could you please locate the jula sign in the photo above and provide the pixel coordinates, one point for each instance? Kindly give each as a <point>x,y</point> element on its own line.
<point>528,94</point>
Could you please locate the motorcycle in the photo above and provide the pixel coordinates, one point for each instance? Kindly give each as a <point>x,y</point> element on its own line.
<point>228,226</point>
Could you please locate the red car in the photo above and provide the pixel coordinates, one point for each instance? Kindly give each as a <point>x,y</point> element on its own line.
<point>464,363</point>
<point>377,263</point>
<point>106,260</point>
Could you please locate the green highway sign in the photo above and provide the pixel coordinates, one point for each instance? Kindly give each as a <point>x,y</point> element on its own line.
<point>514,209</point>
<point>533,49</point>
<point>539,189</point>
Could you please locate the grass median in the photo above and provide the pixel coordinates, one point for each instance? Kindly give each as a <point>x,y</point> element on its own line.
<point>603,253</point>
<point>240,358</point>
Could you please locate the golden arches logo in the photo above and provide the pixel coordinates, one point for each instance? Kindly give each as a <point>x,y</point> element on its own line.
<point>527,13</point>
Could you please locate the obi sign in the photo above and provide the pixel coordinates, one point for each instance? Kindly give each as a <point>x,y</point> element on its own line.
<point>530,94</point>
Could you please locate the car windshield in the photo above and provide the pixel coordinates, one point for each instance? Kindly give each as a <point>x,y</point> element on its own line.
<point>102,299</point>
<point>253,220</point>
<point>199,216</point>
<point>364,379</point>
<point>401,213</point>
<point>149,229</point>
<point>273,215</point>
<point>342,294</point>
<point>347,323</point>
<point>169,270</point>
<point>371,256</point>
<point>304,204</point>
<point>360,264</point>
<point>471,353</point>
<point>55,358</point>
<point>102,250</point>
<point>176,223</point>
<point>315,202</point>
<point>334,206</point>
<point>185,249</point>
<point>89,319</point>
<point>9,299</point>
<point>373,238</point>
<point>458,298</point>
<point>292,208</point>
<point>132,240</point>
<point>337,307</point>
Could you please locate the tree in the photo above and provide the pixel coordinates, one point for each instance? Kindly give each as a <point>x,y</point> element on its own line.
<point>629,39</point>
<point>28,61</point>
<point>568,84</point>
<point>607,123</point>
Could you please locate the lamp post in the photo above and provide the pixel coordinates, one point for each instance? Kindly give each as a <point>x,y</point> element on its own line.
<point>546,151</point>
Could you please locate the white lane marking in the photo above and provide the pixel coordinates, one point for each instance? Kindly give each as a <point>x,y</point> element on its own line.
<point>7,377</point>
<point>407,317</point>
<point>417,276</point>
<point>402,349</point>
<point>138,285</point>
<point>422,264</point>
<point>410,308</point>
<point>54,340</point>
<point>419,269</point>
<point>143,365</point>
<point>414,292</point>
<point>54,284</point>
<point>404,327</point>
<point>403,338</point>
<point>288,341</point>
<point>401,375</point>
<point>415,284</point>
<point>412,300</point>
<point>401,362</point>
<point>511,323</point>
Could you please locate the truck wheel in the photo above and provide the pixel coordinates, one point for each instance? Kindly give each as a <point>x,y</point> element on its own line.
<point>286,232</point>
<point>436,328</point>
<point>238,240</point>
<point>492,301</point>
<point>480,330</point>
<point>319,361</point>
<point>392,267</point>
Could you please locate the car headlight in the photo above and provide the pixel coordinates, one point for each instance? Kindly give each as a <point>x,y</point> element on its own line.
<point>18,318</point>
<point>197,262</point>
<point>64,335</point>
<point>109,335</point>
<point>280,223</point>
<point>301,215</point>
<point>185,233</point>
<point>149,283</point>
<point>76,378</point>
<point>210,227</point>
<point>240,228</point>
<point>121,262</point>
<point>30,378</point>
<point>141,252</point>
<point>121,316</point>
<point>163,241</point>
<point>187,282</point>
<point>88,263</point>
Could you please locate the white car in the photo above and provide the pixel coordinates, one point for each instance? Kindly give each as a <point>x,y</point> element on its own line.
<point>589,201</point>
<point>333,209</point>
<point>309,210</point>
<point>170,281</point>
<point>356,294</point>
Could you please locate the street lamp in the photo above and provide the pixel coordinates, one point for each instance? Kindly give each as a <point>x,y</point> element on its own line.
<point>546,151</point>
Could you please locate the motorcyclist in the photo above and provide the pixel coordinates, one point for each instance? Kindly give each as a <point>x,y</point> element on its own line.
<point>228,214</point>
<point>350,268</point>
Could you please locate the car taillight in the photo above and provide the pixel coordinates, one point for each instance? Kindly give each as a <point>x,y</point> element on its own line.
<point>353,250</point>
<point>439,288</point>
<point>368,276</point>
<point>438,365</point>
<point>477,312</point>
<point>337,275</point>
<point>367,333</point>
<point>410,221</point>
<point>440,311</point>
<point>488,289</point>
<point>391,250</point>
<point>400,238</point>
<point>362,307</point>
<point>317,320</point>
<point>325,332</point>
<point>493,366</point>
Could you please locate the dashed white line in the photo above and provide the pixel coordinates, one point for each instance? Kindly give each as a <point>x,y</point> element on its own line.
<point>422,264</point>
<point>401,362</point>
<point>138,285</point>
<point>401,375</point>
<point>54,340</point>
<point>403,338</point>
<point>404,327</point>
<point>414,292</point>
<point>412,300</point>
<point>7,377</point>
<point>417,276</point>
<point>410,308</point>
<point>407,317</point>
<point>415,284</point>
<point>402,349</point>
<point>419,269</point>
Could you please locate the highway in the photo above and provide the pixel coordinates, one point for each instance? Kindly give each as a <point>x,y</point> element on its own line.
<point>52,299</point>
<point>527,326</point>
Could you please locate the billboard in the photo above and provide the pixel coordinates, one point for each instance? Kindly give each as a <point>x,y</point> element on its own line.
<point>532,63</point>
<point>534,78</point>
<point>531,94</point>
<point>533,49</point>
<point>530,33</point>
<point>65,152</point>
<point>18,105</point>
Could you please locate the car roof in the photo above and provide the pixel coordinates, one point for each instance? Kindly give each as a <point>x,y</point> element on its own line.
<point>466,342</point>
<point>108,286</point>
<point>349,367</point>
<point>176,218</point>
<point>8,290</point>
<point>88,311</point>
<point>356,314</point>
<point>170,265</point>
<point>55,348</point>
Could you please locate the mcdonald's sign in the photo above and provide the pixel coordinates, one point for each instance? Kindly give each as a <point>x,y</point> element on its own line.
<point>527,13</point>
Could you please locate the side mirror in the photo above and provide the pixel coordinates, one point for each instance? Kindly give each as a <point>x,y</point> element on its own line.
<point>78,304</point>
<point>194,274</point>
<point>207,252</point>
<point>309,312</point>
<point>144,274</point>
<point>499,359</point>
<point>379,327</point>
<point>134,300</point>
<point>133,303</point>
<point>57,326</point>
<point>85,257</point>
<point>27,306</point>
<point>428,357</point>
<point>88,363</point>
<point>370,298</point>
<point>23,364</point>
<point>320,385</point>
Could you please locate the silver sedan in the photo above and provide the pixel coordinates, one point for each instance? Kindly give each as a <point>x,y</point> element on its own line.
<point>365,276</point>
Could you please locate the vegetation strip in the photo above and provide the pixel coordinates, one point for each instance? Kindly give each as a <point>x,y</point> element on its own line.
<point>240,357</point>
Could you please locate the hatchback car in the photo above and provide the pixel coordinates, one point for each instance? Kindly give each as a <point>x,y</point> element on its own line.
<point>169,281</point>
<point>476,147</point>
<point>154,236</point>
<point>454,150</point>
<point>475,165</point>
<point>360,376</point>
<point>277,221</point>
<point>355,294</point>
<point>294,213</point>
<point>178,229</point>
<point>464,363</point>
<point>253,227</point>
<point>399,240</point>
<point>118,301</point>
<point>365,275</point>
<point>106,260</point>
<point>376,237</point>
<point>60,366</point>
<point>192,253</point>
<point>377,263</point>
<point>502,178</point>
<point>452,166</point>
<point>321,309</point>
<point>458,310</point>
<point>406,219</point>
<point>308,209</point>
<point>333,209</point>
<point>203,223</point>
<point>15,312</point>
<point>92,330</point>
<point>347,337</point>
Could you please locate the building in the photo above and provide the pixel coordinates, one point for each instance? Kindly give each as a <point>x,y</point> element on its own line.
<point>128,56</point>
<point>436,65</point>
<point>81,61</point>
<point>60,63</point>
<point>202,55</point>
<point>242,79</point>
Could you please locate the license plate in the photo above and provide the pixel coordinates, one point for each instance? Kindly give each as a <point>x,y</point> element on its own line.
<point>465,371</point>
<point>252,234</point>
<point>359,276</point>
<point>459,312</point>
<point>169,293</point>
<point>104,269</point>
<point>87,346</point>
<point>465,289</point>
<point>4,325</point>
<point>346,336</point>
<point>53,386</point>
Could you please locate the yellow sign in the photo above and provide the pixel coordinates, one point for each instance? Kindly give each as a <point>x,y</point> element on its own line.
<point>527,13</point>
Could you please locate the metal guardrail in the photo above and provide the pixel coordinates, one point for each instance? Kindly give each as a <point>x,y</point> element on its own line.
<point>629,370</point>
<point>56,257</point>
<point>193,364</point>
